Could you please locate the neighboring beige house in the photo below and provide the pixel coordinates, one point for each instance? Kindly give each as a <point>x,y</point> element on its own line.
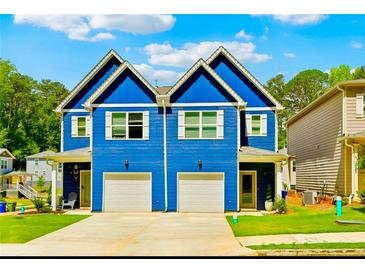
<point>288,171</point>
<point>327,138</point>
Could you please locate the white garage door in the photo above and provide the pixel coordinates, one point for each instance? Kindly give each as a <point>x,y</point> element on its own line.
<point>201,192</point>
<point>127,192</point>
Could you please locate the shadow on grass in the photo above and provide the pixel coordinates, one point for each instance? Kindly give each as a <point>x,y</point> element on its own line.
<point>360,209</point>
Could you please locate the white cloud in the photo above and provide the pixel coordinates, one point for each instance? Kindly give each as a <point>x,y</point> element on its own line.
<point>264,36</point>
<point>356,45</point>
<point>87,28</point>
<point>300,19</point>
<point>166,55</point>
<point>242,34</point>
<point>133,23</point>
<point>152,74</point>
<point>289,55</point>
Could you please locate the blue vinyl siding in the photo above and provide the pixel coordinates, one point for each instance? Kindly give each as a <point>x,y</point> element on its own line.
<point>262,180</point>
<point>71,182</point>
<point>69,142</point>
<point>243,86</point>
<point>93,84</point>
<point>127,88</point>
<point>142,155</point>
<point>217,155</point>
<point>201,87</point>
<point>263,142</point>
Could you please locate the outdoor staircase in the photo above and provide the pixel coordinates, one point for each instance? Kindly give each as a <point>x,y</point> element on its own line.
<point>27,191</point>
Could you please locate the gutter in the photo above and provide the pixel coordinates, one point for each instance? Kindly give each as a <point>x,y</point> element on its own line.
<point>165,151</point>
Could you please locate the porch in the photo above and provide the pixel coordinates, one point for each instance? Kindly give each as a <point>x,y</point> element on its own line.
<point>76,175</point>
<point>259,170</point>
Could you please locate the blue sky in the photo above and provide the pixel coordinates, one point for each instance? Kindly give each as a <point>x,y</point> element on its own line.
<point>65,47</point>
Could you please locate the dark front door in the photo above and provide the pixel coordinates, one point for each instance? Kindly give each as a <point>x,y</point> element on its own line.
<point>247,189</point>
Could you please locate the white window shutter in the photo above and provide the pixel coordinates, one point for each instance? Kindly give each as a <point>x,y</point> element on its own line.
<point>181,124</point>
<point>220,124</point>
<point>359,105</point>
<point>146,125</point>
<point>248,124</point>
<point>88,126</point>
<point>264,124</point>
<point>108,125</point>
<point>74,126</point>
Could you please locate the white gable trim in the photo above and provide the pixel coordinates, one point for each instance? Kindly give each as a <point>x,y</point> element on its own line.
<point>112,78</point>
<point>8,152</point>
<point>245,72</point>
<point>201,63</point>
<point>74,110</point>
<point>88,77</point>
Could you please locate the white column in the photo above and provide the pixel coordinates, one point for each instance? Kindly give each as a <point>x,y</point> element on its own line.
<point>278,179</point>
<point>54,186</point>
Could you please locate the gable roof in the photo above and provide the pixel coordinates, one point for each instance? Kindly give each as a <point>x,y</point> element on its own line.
<point>211,72</point>
<point>245,72</point>
<point>42,154</point>
<point>114,76</point>
<point>88,77</point>
<point>2,150</point>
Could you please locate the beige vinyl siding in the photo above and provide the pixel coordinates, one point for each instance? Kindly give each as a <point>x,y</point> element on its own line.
<point>354,123</point>
<point>313,140</point>
<point>361,173</point>
<point>348,170</point>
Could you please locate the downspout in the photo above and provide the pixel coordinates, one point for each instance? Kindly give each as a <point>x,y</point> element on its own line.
<point>165,152</point>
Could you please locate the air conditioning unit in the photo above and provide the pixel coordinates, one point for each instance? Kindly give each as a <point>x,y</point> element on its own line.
<point>309,197</point>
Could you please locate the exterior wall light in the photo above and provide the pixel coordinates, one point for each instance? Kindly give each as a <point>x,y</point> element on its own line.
<point>126,164</point>
<point>200,164</point>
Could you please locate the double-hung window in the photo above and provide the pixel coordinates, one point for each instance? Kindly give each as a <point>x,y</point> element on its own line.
<point>3,164</point>
<point>256,124</point>
<point>80,126</point>
<point>360,105</point>
<point>201,124</point>
<point>126,125</point>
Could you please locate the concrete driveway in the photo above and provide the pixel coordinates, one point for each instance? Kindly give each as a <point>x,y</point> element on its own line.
<point>139,234</point>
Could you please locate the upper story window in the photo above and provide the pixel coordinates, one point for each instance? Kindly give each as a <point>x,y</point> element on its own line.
<point>36,172</point>
<point>3,164</point>
<point>201,125</point>
<point>294,165</point>
<point>43,172</point>
<point>36,162</point>
<point>126,125</point>
<point>59,167</point>
<point>80,126</point>
<point>256,124</point>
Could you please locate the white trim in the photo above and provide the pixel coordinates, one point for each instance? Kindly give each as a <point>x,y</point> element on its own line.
<point>91,159</point>
<point>88,77</point>
<point>198,172</point>
<point>62,133</point>
<point>165,155</point>
<point>239,194</point>
<point>114,76</point>
<point>122,172</point>
<point>238,158</point>
<point>260,108</point>
<point>124,105</point>
<point>245,72</point>
<point>201,125</point>
<point>9,153</point>
<point>77,127</point>
<point>83,171</point>
<point>276,132</point>
<point>203,64</point>
<point>218,104</point>
<point>261,127</point>
<point>127,127</point>
<point>75,110</point>
<point>360,107</point>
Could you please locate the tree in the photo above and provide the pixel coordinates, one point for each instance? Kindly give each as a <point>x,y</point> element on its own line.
<point>359,73</point>
<point>338,74</point>
<point>40,183</point>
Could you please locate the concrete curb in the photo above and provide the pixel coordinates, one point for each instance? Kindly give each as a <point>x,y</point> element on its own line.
<point>312,252</point>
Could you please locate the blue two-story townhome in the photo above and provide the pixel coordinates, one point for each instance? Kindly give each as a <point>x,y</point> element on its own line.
<point>206,144</point>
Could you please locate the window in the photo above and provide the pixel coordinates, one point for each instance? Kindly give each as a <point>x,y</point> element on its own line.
<point>36,162</point>
<point>201,125</point>
<point>36,172</point>
<point>81,126</point>
<point>127,125</point>
<point>4,164</point>
<point>256,124</point>
<point>294,165</point>
<point>43,172</point>
<point>363,106</point>
<point>59,167</point>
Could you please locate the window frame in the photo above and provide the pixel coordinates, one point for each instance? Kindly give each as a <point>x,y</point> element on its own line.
<point>126,125</point>
<point>4,164</point>
<point>201,125</point>
<point>36,161</point>
<point>260,127</point>
<point>261,134</point>
<point>77,126</point>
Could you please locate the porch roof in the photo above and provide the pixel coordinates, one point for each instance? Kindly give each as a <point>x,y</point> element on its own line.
<point>252,154</point>
<point>17,173</point>
<point>358,137</point>
<point>75,155</point>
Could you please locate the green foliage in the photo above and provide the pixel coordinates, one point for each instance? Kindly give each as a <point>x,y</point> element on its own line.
<point>268,193</point>
<point>359,73</point>
<point>38,204</point>
<point>285,186</point>
<point>28,123</point>
<point>40,183</point>
<point>362,195</point>
<point>338,74</point>
<point>280,205</point>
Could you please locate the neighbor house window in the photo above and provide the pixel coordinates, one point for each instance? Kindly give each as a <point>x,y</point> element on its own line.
<point>4,164</point>
<point>127,125</point>
<point>36,162</point>
<point>201,125</point>
<point>59,167</point>
<point>43,172</point>
<point>294,165</point>
<point>363,106</point>
<point>36,172</point>
<point>81,126</point>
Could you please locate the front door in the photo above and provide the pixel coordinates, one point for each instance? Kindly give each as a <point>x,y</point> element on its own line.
<point>85,193</point>
<point>247,189</point>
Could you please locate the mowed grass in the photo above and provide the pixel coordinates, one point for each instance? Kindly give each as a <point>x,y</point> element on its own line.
<point>301,220</point>
<point>19,202</point>
<point>309,246</point>
<point>21,229</point>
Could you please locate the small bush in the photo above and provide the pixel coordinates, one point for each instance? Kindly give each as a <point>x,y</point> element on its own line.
<point>268,193</point>
<point>46,209</point>
<point>280,206</point>
<point>362,196</point>
<point>40,183</point>
<point>38,203</point>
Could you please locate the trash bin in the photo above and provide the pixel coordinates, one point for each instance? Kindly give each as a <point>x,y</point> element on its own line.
<point>2,207</point>
<point>338,205</point>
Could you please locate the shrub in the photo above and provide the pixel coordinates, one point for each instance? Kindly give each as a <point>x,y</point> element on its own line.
<point>46,209</point>
<point>362,196</point>
<point>280,205</point>
<point>268,193</point>
<point>40,183</point>
<point>49,197</point>
<point>38,203</point>
<point>285,186</point>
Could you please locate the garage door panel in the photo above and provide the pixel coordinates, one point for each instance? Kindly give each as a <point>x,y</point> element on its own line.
<point>127,192</point>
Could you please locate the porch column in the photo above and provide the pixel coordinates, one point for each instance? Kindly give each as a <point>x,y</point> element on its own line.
<point>54,186</point>
<point>356,173</point>
<point>278,179</point>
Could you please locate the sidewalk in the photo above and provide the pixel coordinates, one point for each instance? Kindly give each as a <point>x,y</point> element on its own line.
<point>341,237</point>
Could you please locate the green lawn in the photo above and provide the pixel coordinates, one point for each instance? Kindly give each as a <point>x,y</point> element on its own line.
<point>302,220</point>
<point>15,229</point>
<point>19,202</point>
<point>310,246</point>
